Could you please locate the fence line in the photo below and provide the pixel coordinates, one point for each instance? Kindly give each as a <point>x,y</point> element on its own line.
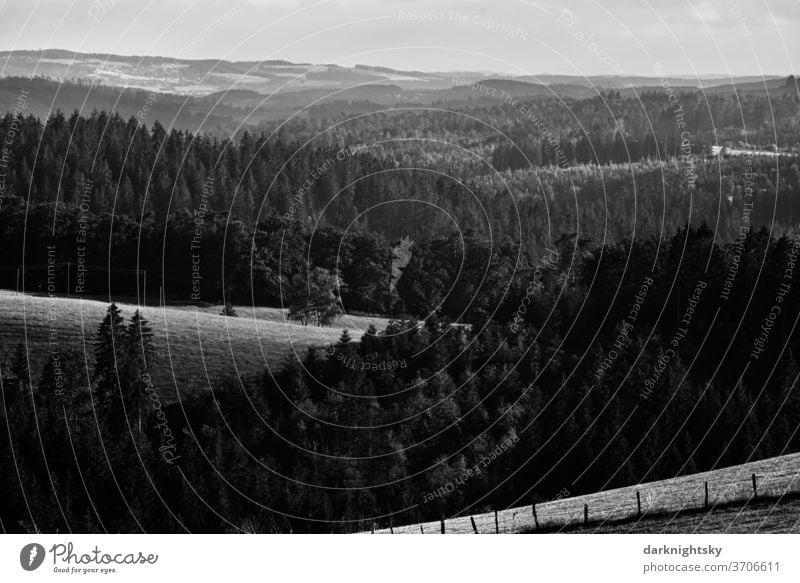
<point>740,484</point>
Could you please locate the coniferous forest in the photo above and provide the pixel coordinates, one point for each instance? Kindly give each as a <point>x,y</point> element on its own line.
<point>618,301</point>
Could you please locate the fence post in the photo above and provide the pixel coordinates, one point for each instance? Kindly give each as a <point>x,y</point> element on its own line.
<point>706,502</point>
<point>638,504</point>
<point>535,518</point>
<point>755,490</point>
<point>442,524</point>
<point>421,530</point>
<point>496,524</point>
<point>373,528</point>
<point>475,528</point>
<point>586,515</point>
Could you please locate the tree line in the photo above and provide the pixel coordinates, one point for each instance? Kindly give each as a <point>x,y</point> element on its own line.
<point>417,173</point>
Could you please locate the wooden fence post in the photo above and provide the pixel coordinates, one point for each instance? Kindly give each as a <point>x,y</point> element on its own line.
<point>496,524</point>
<point>535,518</point>
<point>475,528</point>
<point>755,490</point>
<point>706,502</point>
<point>586,515</point>
<point>638,504</point>
<point>442,524</point>
<point>373,528</point>
<point>421,530</point>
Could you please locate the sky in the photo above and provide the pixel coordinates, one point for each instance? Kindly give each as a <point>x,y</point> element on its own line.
<point>518,37</point>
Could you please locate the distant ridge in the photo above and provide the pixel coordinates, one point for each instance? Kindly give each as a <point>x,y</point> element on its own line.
<point>186,76</point>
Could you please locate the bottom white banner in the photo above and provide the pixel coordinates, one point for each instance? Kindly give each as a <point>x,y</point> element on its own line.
<point>330,558</point>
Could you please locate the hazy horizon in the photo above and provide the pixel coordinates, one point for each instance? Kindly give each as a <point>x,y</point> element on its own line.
<point>321,63</point>
<point>516,37</point>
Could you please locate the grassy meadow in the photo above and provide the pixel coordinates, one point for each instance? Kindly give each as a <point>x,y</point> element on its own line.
<point>674,505</point>
<point>197,348</point>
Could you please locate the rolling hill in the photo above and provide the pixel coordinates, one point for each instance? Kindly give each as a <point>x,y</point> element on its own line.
<point>221,97</point>
<point>197,348</point>
<point>203,77</point>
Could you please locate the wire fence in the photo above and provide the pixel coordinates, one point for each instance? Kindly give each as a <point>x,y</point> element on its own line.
<point>766,479</point>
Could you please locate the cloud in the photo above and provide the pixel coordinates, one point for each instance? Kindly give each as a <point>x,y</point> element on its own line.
<point>705,12</point>
<point>369,31</point>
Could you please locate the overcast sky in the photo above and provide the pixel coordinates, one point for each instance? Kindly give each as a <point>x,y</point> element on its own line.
<point>699,37</point>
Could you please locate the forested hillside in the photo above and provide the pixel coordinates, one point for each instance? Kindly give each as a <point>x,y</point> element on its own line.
<point>583,292</point>
<point>272,204</point>
<point>640,367</point>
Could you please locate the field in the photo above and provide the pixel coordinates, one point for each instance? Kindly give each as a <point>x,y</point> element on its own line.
<point>197,348</point>
<point>768,517</point>
<point>675,505</point>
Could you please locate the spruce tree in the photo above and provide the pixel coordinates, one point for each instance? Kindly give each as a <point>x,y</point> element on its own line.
<point>140,355</point>
<point>109,362</point>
